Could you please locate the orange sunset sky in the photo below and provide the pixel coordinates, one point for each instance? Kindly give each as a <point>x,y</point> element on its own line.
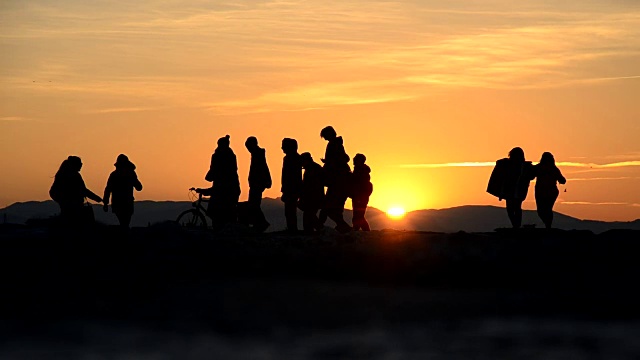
<point>432,92</point>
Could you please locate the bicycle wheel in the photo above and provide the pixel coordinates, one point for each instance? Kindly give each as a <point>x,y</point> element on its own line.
<point>192,218</point>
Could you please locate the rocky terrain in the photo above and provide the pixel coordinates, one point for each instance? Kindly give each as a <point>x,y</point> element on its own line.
<point>163,292</point>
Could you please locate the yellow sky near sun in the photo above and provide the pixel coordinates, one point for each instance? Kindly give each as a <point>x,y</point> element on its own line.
<point>405,83</point>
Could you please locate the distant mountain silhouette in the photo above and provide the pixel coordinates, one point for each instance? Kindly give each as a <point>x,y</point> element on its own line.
<point>469,218</point>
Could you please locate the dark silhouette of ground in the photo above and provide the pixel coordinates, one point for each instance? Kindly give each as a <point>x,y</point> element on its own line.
<point>165,291</point>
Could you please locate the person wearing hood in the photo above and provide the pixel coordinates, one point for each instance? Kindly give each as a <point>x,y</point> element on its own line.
<point>291,182</point>
<point>259,181</point>
<point>337,177</point>
<point>225,191</point>
<point>546,189</point>
<point>360,192</point>
<point>69,191</point>
<point>121,183</point>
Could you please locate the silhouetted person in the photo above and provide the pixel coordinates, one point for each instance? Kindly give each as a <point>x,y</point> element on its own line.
<point>291,182</point>
<point>259,181</point>
<point>69,191</point>
<point>514,176</point>
<point>361,189</point>
<point>548,175</point>
<point>121,183</point>
<point>312,194</point>
<point>225,192</point>
<point>337,177</point>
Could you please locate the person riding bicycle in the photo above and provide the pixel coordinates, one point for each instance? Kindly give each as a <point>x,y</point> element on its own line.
<point>225,191</point>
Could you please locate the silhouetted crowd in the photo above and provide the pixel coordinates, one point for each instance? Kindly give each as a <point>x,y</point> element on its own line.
<point>303,187</point>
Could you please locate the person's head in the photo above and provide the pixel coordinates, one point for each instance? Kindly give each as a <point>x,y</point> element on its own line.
<point>306,159</point>
<point>289,146</point>
<point>224,141</point>
<point>328,133</point>
<point>123,162</point>
<point>547,158</point>
<point>516,154</point>
<point>74,163</point>
<point>251,143</point>
<point>359,159</point>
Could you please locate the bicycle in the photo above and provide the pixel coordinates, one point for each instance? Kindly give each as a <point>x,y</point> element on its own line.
<point>196,217</point>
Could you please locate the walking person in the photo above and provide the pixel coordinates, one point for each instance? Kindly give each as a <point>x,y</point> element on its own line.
<point>546,189</point>
<point>312,193</point>
<point>69,191</point>
<point>510,181</point>
<point>361,189</point>
<point>291,182</point>
<point>259,181</point>
<point>337,177</point>
<point>225,191</point>
<point>121,183</point>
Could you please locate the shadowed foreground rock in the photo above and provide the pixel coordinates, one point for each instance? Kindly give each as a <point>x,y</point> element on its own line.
<point>164,292</point>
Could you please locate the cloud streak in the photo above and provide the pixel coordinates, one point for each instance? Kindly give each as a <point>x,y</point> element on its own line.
<point>296,55</point>
<point>598,203</point>
<point>493,163</point>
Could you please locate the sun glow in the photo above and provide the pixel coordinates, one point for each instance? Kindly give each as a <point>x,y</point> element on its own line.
<point>396,212</point>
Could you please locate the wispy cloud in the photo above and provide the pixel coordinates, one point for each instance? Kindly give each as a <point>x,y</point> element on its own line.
<point>122,110</point>
<point>597,203</point>
<point>493,163</point>
<point>600,166</point>
<point>296,55</point>
<point>604,178</point>
<point>13,118</point>
<point>446,165</point>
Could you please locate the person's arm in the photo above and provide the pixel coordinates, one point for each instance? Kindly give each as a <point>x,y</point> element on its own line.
<point>107,195</point>
<point>91,195</point>
<point>136,183</point>
<point>88,193</point>
<point>561,179</point>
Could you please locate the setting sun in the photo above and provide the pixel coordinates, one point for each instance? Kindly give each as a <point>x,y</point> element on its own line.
<point>396,212</point>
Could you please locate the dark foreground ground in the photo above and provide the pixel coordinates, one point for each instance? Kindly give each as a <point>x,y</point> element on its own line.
<point>166,293</point>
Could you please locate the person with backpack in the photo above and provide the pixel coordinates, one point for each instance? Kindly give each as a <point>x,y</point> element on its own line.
<point>510,180</point>
<point>69,191</point>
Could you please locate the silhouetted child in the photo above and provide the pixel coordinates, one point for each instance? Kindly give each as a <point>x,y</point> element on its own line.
<point>225,192</point>
<point>361,191</point>
<point>259,181</point>
<point>548,175</point>
<point>291,182</point>
<point>312,194</point>
<point>337,177</point>
<point>69,191</point>
<point>121,183</point>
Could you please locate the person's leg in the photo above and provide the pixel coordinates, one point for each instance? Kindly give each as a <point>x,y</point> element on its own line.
<point>358,214</point>
<point>514,210</point>
<point>124,218</point>
<point>335,208</point>
<point>545,209</point>
<point>290,213</point>
<point>365,223</point>
<point>258,220</point>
